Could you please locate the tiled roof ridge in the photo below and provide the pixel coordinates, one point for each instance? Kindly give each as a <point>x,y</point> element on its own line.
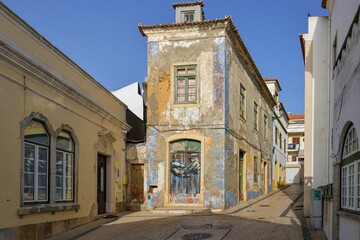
<point>182,24</point>
<point>188,4</point>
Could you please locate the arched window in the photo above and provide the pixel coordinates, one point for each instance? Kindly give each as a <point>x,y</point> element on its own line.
<point>36,162</point>
<point>350,172</point>
<point>64,167</point>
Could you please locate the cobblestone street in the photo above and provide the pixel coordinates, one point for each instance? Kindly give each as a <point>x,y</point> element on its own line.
<point>273,216</point>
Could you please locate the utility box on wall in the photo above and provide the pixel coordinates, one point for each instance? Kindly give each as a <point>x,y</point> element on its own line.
<point>316,208</point>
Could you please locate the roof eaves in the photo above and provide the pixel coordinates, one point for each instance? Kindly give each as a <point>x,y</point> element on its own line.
<point>182,24</point>
<point>188,4</point>
<point>302,44</point>
<point>273,80</point>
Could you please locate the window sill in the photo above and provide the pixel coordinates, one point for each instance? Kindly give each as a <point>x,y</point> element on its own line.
<point>48,208</point>
<point>185,105</point>
<point>352,215</point>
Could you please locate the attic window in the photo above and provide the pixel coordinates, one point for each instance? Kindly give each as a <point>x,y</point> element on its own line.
<point>188,16</point>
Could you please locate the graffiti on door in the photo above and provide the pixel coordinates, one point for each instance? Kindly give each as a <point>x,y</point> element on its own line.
<point>185,166</point>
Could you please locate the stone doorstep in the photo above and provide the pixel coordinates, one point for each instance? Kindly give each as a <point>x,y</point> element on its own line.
<point>181,210</point>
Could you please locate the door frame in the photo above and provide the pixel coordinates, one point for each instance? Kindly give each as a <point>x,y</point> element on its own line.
<point>166,169</point>
<point>241,195</point>
<point>131,181</point>
<point>105,182</point>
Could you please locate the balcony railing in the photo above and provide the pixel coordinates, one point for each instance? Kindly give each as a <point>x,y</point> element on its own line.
<point>293,147</point>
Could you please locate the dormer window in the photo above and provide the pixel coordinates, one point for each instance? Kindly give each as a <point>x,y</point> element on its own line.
<point>189,11</point>
<point>188,16</point>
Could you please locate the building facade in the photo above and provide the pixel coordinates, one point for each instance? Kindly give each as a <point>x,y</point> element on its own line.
<point>316,108</point>
<point>279,136</point>
<point>62,136</point>
<point>332,58</point>
<point>208,115</point>
<point>295,149</point>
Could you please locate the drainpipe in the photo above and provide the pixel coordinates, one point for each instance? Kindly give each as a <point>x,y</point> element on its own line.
<point>329,120</point>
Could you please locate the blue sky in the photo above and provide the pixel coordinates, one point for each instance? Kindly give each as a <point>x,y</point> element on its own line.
<point>102,36</point>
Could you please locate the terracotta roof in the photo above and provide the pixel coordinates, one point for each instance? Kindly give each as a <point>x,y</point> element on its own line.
<point>296,116</point>
<point>323,3</point>
<point>188,4</point>
<point>238,40</point>
<point>273,80</point>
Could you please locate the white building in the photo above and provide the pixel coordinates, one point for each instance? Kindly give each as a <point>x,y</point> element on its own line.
<point>295,150</point>
<point>132,97</point>
<point>280,123</point>
<point>332,58</point>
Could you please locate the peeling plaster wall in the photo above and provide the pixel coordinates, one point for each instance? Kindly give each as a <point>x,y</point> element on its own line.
<point>215,117</point>
<point>241,131</point>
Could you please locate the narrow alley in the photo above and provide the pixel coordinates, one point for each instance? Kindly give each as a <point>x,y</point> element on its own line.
<point>277,215</point>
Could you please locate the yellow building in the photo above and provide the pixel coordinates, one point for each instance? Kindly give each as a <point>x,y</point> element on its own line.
<point>62,138</point>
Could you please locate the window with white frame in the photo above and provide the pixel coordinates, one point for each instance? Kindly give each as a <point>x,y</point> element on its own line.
<point>350,172</point>
<point>36,163</point>
<point>188,16</point>
<point>64,167</point>
<point>351,143</point>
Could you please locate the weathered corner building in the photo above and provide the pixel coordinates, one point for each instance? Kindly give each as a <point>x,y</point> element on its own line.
<point>209,114</point>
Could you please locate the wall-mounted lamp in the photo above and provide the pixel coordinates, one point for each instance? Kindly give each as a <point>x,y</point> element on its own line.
<point>281,112</point>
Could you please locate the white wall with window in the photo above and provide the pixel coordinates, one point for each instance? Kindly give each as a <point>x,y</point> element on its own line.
<point>350,173</point>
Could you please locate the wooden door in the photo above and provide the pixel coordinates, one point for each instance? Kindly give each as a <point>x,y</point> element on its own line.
<point>101,184</point>
<point>241,177</point>
<point>137,183</point>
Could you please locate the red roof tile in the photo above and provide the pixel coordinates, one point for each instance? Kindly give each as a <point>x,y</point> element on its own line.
<point>296,116</point>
